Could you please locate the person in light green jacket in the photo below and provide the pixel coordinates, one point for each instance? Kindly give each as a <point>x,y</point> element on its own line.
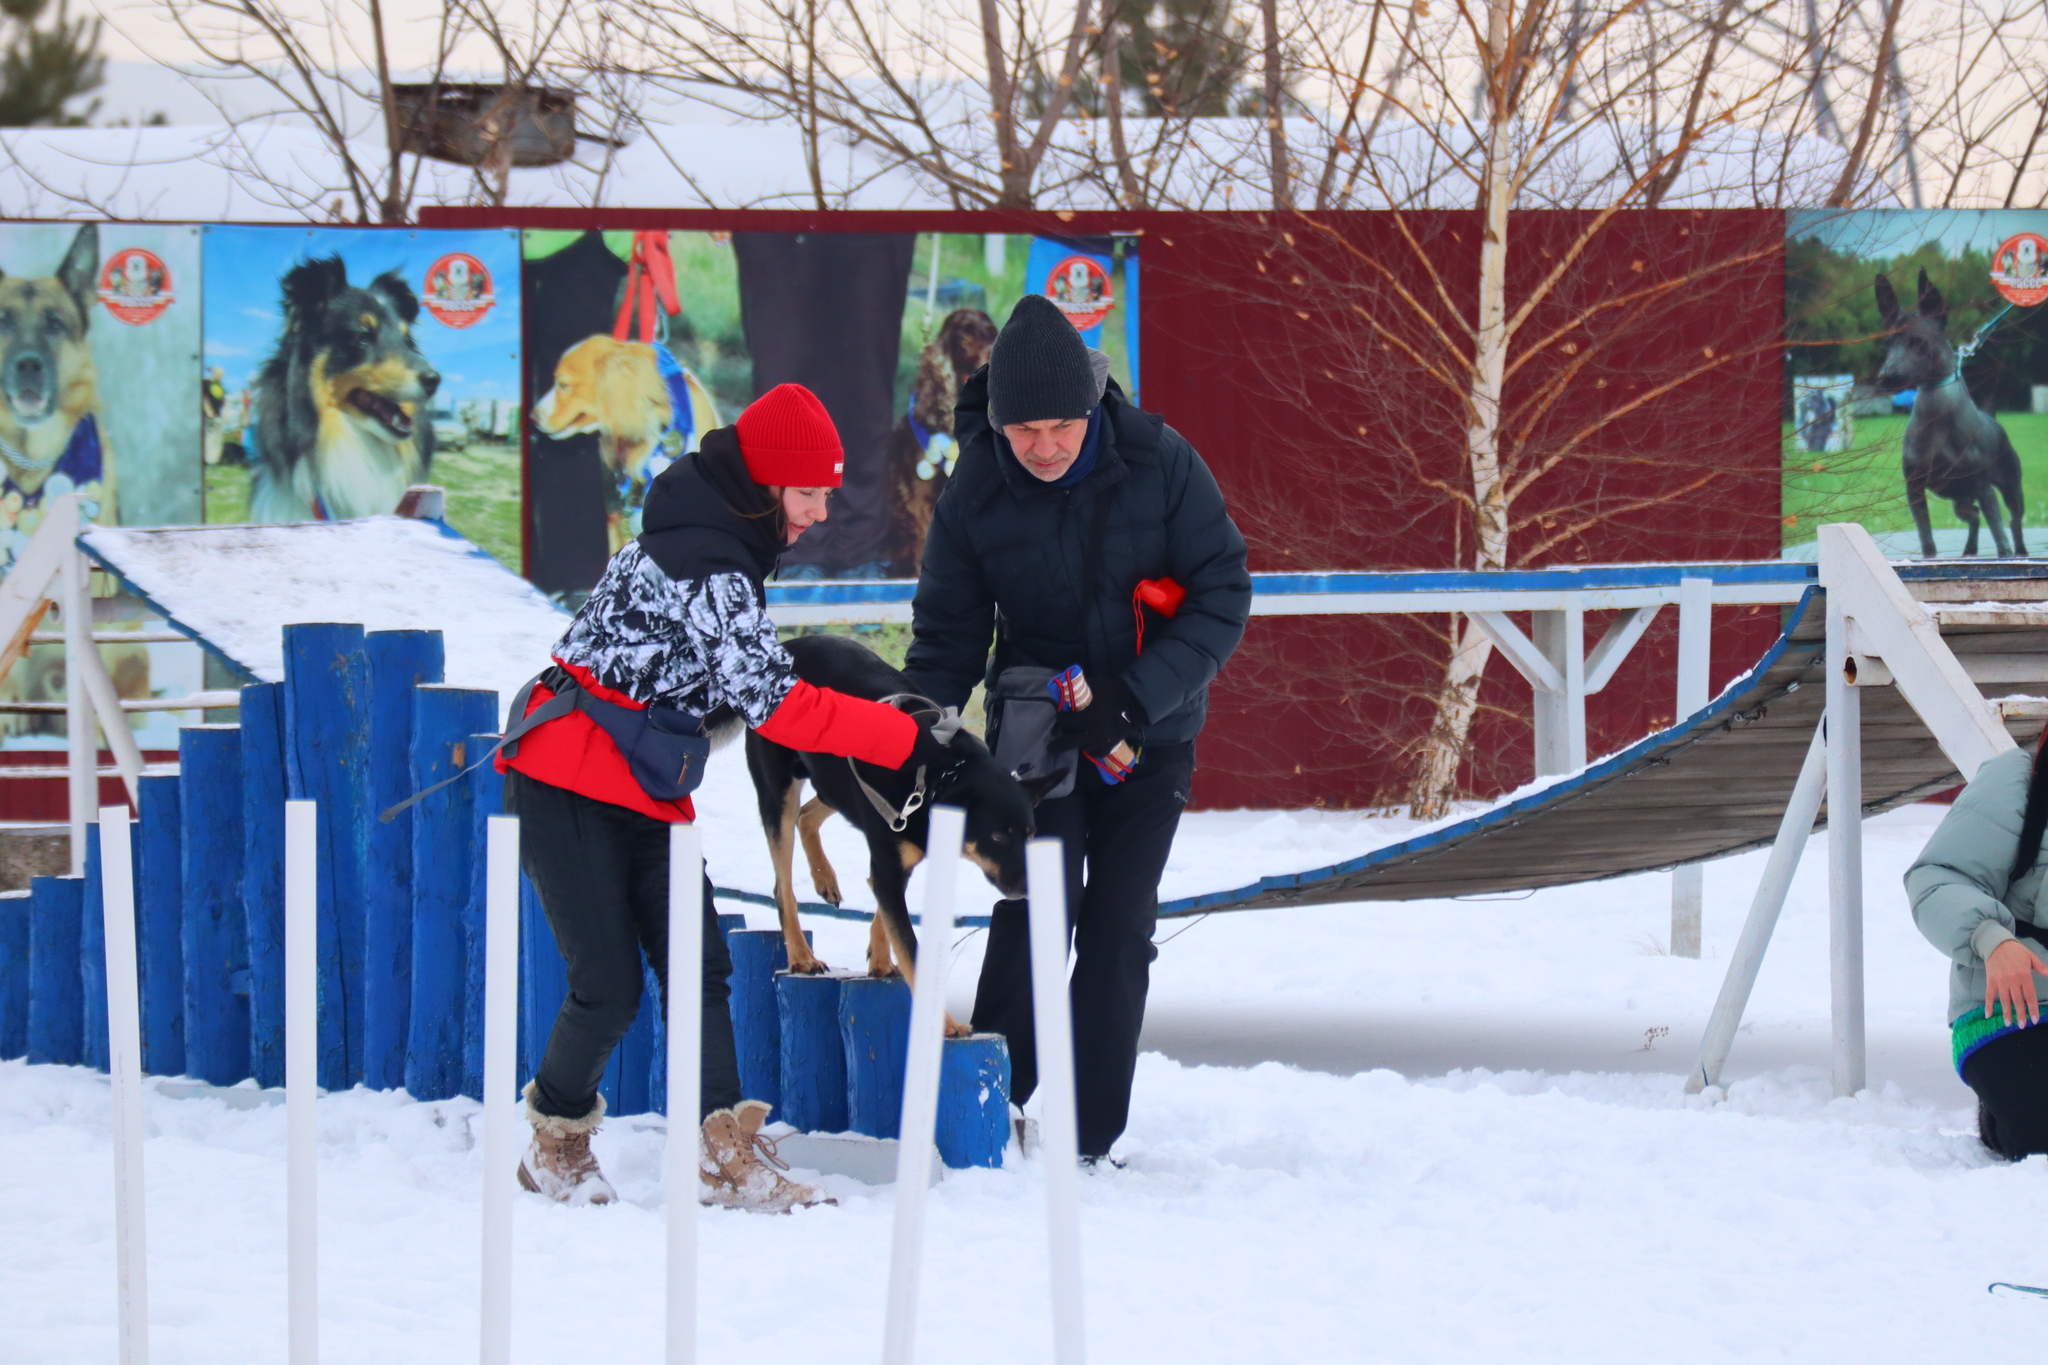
<point>1976,891</point>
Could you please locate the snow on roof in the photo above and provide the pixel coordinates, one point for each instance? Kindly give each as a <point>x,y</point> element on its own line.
<point>237,587</point>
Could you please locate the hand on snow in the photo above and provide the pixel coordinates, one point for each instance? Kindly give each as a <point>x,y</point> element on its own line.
<point>2009,982</point>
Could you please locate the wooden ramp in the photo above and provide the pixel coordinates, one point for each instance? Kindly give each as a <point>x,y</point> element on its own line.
<point>1717,782</point>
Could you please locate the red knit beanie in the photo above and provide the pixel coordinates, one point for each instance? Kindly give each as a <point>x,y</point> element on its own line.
<point>788,440</point>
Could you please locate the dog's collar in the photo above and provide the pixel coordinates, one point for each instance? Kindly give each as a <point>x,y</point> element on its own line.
<point>25,461</point>
<point>899,820</point>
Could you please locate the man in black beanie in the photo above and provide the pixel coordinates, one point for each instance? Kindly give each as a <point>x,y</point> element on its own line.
<point>1077,529</point>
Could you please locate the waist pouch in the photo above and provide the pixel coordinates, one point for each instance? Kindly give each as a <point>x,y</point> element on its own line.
<point>665,747</point>
<point>1021,713</point>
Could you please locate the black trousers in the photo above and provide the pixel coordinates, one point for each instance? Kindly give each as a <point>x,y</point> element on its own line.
<point>1117,839</point>
<point>602,874</point>
<point>2010,1076</point>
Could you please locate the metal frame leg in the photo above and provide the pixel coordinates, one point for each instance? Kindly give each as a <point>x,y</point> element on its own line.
<point>1695,659</point>
<point>1793,830</point>
<point>1845,859</point>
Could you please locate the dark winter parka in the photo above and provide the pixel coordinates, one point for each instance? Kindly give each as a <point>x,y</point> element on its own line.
<point>1007,556</point>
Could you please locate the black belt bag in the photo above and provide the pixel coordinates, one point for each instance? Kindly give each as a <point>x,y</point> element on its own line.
<point>665,747</point>
<point>1021,713</point>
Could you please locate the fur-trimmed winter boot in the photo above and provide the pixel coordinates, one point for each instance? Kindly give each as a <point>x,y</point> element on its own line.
<point>559,1163</point>
<point>736,1161</point>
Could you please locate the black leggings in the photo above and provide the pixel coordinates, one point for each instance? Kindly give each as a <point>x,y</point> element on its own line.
<point>602,874</point>
<point>2010,1076</point>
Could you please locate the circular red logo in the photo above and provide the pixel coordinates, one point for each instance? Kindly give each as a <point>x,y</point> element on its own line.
<point>457,290</point>
<point>135,285</point>
<point>1080,286</point>
<point>2020,268</point>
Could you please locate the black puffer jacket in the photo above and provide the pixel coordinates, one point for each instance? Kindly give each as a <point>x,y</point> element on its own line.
<point>1005,545</point>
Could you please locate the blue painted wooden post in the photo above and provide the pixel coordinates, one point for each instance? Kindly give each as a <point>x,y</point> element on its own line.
<point>400,660</point>
<point>216,930</point>
<point>657,1065</point>
<point>263,798</point>
<point>13,975</point>
<point>757,954</point>
<point>92,955</point>
<point>486,798</point>
<point>874,1028</point>
<point>326,724</point>
<point>443,835</point>
<point>56,1006</point>
<point>974,1101</point>
<point>160,918</point>
<point>813,1057</point>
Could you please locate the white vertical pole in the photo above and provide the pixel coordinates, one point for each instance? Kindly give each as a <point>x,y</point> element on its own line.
<point>501,1082</point>
<point>81,745</point>
<point>1574,670</point>
<point>1060,1141</point>
<point>919,1129</point>
<point>301,1078</point>
<point>1845,857</point>
<point>124,1063</point>
<point>1695,661</point>
<point>685,1050</point>
<point>1560,717</point>
<point>1793,831</point>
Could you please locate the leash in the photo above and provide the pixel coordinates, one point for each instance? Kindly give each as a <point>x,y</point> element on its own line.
<point>1969,348</point>
<point>945,723</point>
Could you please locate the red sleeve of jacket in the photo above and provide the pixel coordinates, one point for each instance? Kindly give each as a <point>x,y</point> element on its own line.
<point>819,720</point>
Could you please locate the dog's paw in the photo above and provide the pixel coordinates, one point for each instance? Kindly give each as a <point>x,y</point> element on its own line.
<point>882,968</point>
<point>809,966</point>
<point>956,1029</point>
<point>826,884</point>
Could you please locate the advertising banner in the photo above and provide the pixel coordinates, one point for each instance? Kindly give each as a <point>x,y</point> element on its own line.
<point>344,364</point>
<point>639,342</point>
<point>1916,396</point>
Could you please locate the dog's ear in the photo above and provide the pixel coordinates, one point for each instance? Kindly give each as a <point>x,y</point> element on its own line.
<point>1888,304</point>
<point>1932,304</point>
<point>398,294</point>
<point>1037,787</point>
<point>80,272</point>
<point>309,284</point>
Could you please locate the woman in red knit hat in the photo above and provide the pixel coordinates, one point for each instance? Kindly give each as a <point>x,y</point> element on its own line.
<point>678,624</point>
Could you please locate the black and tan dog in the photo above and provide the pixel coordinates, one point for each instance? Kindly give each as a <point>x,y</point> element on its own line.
<point>49,391</point>
<point>891,808</point>
<point>338,405</point>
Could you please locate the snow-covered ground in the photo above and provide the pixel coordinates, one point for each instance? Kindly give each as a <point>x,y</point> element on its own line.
<point>1414,1133</point>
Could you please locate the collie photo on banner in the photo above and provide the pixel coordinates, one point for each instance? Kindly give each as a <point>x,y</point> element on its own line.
<point>344,364</point>
<point>637,343</point>
<point>1916,379</point>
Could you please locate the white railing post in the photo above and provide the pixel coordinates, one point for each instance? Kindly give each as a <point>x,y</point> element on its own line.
<point>81,748</point>
<point>1058,1125</point>
<point>1793,831</point>
<point>1560,715</point>
<point>501,1083</point>
<point>685,1049</point>
<point>124,1067</point>
<point>301,1079</point>
<point>1695,662</point>
<point>919,1129</point>
<point>1845,856</point>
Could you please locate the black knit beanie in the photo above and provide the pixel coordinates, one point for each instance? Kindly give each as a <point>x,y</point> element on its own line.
<point>1039,367</point>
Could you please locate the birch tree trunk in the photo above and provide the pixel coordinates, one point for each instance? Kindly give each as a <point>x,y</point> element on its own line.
<point>1436,781</point>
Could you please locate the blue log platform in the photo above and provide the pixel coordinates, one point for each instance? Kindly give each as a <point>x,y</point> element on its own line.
<point>974,1101</point>
<point>13,975</point>
<point>813,1055</point>
<point>216,932</point>
<point>160,924</point>
<point>757,955</point>
<point>443,720</point>
<point>92,955</point>
<point>263,798</point>
<point>327,742</point>
<point>874,1028</point>
<point>543,981</point>
<point>56,1013</point>
<point>486,798</point>
<point>399,660</point>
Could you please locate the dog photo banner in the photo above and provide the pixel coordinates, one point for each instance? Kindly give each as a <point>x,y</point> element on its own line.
<point>1916,379</point>
<point>639,342</point>
<point>343,364</point>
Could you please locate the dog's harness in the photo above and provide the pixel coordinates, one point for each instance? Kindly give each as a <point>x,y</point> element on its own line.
<point>945,723</point>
